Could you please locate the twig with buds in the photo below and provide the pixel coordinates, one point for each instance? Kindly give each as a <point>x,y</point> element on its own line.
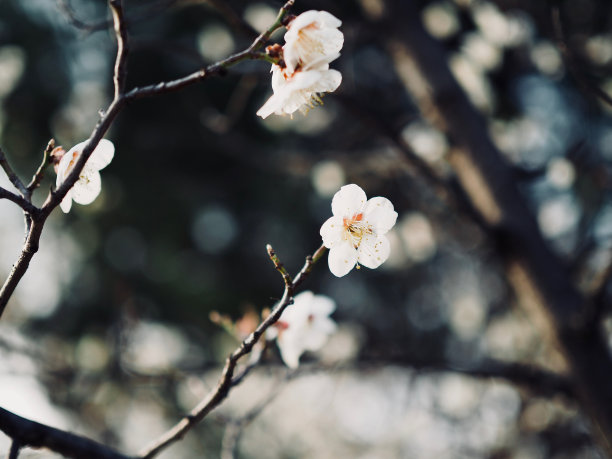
<point>226,382</point>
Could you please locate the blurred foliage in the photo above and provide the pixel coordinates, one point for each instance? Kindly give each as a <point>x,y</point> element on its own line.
<point>199,185</point>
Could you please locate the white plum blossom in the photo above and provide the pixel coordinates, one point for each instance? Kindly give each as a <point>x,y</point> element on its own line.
<point>299,90</point>
<point>313,36</point>
<point>356,233</point>
<point>311,43</point>
<point>88,186</point>
<point>303,326</point>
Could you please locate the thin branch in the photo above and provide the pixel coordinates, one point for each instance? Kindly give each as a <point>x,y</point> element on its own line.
<point>121,34</point>
<point>224,385</point>
<point>236,427</point>
<point>65,7</point>
<point>40,173</point>
<point>21,202</point>
<point>218,68</point>
<point>15,448</point>
<point>25,432</point>
<point>279,265</point>
<point>12,176</point>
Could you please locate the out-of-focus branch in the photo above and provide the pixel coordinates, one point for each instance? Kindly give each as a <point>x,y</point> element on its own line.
<point>225,383</point>
<point>235,427</point>
<point>532,378</point>
<point>15,448</point>
<point>26,433</point>
<point>232,18</point>
<point>12,176</point>
<point>71,16</point>
<point>570,60</point>
<point>538,274</point>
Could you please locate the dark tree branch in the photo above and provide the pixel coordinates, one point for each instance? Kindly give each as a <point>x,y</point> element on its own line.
<point>279,265</point>
<point>21,202</point>
<point>26,433</point>
<point>40,173</point>
<point>121,34</point>
<point>225,383</point>
<point>12,176</point>
<point>15,448</point>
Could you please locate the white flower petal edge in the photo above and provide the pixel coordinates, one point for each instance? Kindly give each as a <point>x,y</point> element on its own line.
<point>304,326</point>
<point>89,185</point>
<point>356,233</point>
<point>348,201</point>
<point>299,91</point>
<point>312,36</point>
<point>342,259</point>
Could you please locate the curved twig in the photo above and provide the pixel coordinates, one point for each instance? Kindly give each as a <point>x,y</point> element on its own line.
<point>220,392</point>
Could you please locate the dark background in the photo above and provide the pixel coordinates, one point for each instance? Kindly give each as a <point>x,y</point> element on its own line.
<point>199,185</point>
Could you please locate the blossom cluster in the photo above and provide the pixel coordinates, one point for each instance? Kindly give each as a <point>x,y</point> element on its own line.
<point>312,41</point>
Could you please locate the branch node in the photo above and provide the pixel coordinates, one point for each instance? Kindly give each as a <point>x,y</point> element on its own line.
<point>279,266</point>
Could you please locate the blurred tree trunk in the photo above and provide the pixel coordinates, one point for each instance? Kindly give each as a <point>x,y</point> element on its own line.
<point>538,276</point>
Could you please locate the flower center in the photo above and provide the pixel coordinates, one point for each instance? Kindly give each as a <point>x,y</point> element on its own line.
<point>355,228</point>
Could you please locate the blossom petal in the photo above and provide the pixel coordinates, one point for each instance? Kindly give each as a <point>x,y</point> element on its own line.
<point>307,326</point>
<point>272,105</point>
<point>102,155</point>
<point>341,259</point>
<point>322,305</point>
<point>308,17</point>
<point>328,81</point>
<point>380,215</point>
<point>66,203</point>
<point>373,251</point>
<point>290,353</point>
<point>348,201</point>
<point>311,44</point>
<point>88,187</point>
<point>332,231</point>
<point>299,310</point>
<point>318,334</point>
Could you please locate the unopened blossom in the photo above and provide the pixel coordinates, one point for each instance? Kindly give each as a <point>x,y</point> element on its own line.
<point>355,235</point>
<point>313,36</point>
<point>299,90</point>
<point>303,326</point>
<point>88,186</point>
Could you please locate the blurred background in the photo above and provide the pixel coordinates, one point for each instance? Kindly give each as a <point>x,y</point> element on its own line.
<point>109,333</point>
